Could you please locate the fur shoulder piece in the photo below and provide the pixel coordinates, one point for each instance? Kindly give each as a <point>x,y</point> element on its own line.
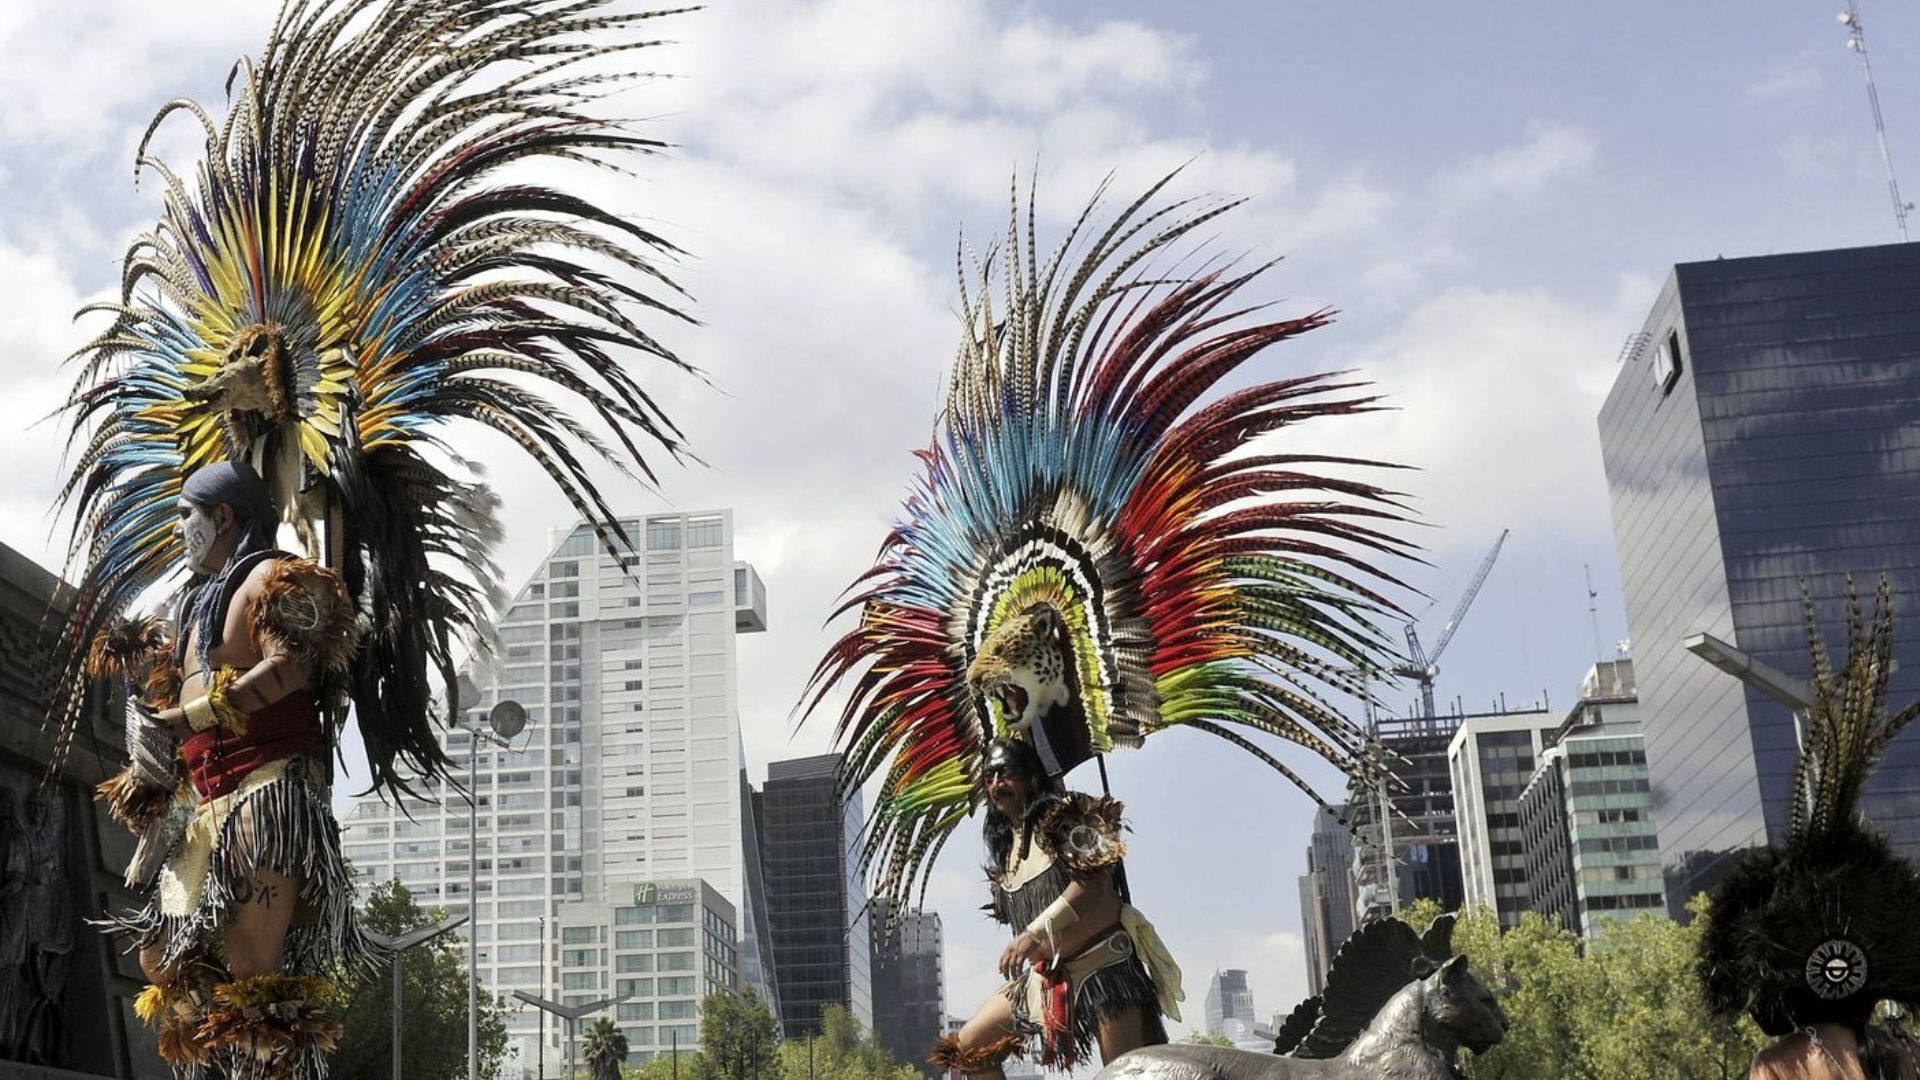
<point>304,608</point>
<point>141,652</point>
<point>1083,833</point>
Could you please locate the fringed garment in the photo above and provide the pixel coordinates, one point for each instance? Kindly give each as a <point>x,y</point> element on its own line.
<point>1078,838</point>
<point>275,816</point>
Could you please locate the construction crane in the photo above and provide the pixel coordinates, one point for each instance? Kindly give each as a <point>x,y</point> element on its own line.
<point>1423,667</point>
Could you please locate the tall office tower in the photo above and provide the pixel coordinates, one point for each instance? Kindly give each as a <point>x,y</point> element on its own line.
<point>1586,814</point>
<point>628,772</point>
<point>822,947</point>
<point>1490,759</point>
<point>1326,894</point>
<point>909,983</point>
<point>1228,999</point>
<point>1420,832</point>
<point>1762,432</point>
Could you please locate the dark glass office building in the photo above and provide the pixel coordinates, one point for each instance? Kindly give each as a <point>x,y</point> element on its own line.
<point>1326,894</point>
<point>816,908</point>
<point>1763,431</point>
<point>909,986</point>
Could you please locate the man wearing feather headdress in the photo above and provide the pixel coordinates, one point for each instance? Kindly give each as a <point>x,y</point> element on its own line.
<point>1099,549</point>
<point>366,257</point>
<point>252,909</point>
<point>1084,968</point>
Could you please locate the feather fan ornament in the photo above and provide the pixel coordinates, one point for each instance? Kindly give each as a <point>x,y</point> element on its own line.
<point>361,259</point>
<point>1100,547</point>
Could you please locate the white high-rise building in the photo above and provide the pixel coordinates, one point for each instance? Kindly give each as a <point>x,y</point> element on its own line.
<point>1490,759</point>
<point>628,778</point>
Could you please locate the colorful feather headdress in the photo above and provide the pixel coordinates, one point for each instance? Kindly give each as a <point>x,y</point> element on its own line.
<point>360,258</point>
<point>1087,466</point>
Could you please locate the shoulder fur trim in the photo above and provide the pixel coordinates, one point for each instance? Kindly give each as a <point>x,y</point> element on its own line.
<point>1083,832</point>
<point>304,607</point>
<point>140,651</point>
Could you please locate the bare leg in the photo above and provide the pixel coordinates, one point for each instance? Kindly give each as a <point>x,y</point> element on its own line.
<point>1120,1033</point>
<point>993,1020</point>
<point>150,966</point>
<point>257,924</point>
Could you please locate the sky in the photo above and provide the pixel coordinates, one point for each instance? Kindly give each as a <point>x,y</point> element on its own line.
<point>1491,200</point>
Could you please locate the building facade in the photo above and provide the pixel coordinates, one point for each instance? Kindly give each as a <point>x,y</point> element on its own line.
<point>1228,999</point>
<point>630,769</point>
<point>667,943</point>
<point>909,982</point>
<point>1326,895</point>
<point>1421,831</point>
<point>1764,433</point>
<point>1589,839</point>
<point>816,903</point>
<point>1491,757</point>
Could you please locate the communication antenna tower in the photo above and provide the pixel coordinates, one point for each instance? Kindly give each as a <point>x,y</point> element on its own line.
<point>1857,41</point>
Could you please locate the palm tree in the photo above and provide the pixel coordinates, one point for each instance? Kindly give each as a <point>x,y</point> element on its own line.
<point>605,1050</point>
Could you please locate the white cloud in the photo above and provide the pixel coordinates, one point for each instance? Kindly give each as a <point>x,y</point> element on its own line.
<point>1551,153</point>
<point>1798,77</point>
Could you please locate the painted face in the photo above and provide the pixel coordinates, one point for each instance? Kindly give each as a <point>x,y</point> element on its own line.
<point>1008,789</point>
<point>197,530</point>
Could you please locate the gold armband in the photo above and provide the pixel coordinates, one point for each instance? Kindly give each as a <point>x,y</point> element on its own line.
<point>1057,917</point>
<point>212,709</point>
<point>200,715</point>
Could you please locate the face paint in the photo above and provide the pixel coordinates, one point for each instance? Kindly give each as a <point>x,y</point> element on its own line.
<point>198,531</point>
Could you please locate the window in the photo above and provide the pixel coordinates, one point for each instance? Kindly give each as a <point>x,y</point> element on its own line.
<point>704,533</point>
<point>633,939</point>
<point>708,598</point>
<point>627,964</point>
<point>563,570</point>
<point>580,543</point>
<point>663,535</point>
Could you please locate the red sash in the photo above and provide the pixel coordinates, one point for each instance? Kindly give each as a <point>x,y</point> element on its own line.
<point>217,760</point>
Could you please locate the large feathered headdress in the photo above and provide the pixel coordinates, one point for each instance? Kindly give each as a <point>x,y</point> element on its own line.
<point>1091,486</point>
<point>1821,928</point>
<point>362,256</point>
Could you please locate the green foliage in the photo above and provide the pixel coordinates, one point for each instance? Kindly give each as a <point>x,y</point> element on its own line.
<point>1203,1038</point>
<point>840,1052</point>
<point>738,1035</point>
<point>1626,1007</point>
<point>605,1049</point>
<point>434,1003</point>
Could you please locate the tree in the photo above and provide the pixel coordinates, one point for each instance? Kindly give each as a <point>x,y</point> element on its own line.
<point>434,1003</point>
<point>1206,1038</point>
<point>605,1049</point>
<point>738,1036</point>
<point>840,1052</point>
<point>1625,1007</point>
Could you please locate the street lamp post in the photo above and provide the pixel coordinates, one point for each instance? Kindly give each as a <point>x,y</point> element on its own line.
<point>571,1014</point>
<point>399,945</point>
<point>507,718</point>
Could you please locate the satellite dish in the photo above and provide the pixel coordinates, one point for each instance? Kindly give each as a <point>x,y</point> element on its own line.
<point>466,692</point>
<point>507,719</point>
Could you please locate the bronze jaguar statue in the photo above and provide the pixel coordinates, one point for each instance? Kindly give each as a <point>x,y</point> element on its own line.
<point>1393,1010</point>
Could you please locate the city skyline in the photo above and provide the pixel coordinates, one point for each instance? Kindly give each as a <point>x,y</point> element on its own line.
<point>1489,211</point>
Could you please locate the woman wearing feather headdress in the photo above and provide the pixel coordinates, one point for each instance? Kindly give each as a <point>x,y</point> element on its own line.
<point>1097,552</point>
<point>346,272</point>
<point>1811,936</point>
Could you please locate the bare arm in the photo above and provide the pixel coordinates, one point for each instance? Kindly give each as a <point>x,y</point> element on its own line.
<point>1096,908</point>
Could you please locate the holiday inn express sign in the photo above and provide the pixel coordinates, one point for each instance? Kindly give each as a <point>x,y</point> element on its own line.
<point>674,892</point>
